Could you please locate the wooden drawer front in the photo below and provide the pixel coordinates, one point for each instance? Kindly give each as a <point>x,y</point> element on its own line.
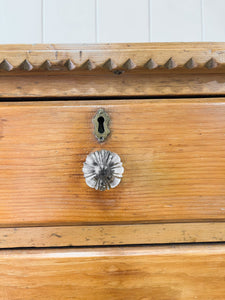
<point>162,273</point>
<point>173,152</point>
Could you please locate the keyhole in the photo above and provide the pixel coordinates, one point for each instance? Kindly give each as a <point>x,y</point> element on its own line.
<point>101,125</point>
<point>101,128</point>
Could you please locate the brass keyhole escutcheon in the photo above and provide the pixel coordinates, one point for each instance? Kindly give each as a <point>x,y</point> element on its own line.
<point>101,125</point>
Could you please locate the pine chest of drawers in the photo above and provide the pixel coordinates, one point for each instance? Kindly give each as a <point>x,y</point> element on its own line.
<point>112,171</point>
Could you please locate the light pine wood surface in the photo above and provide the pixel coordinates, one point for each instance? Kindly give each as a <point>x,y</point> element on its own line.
<point>100,235</point>
<point>150,273</point>
<point>172,151</point>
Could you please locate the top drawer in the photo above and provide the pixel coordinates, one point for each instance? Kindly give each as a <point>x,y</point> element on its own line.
<point>173,153</point>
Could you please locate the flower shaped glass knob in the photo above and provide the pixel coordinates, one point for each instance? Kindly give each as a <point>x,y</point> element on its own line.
<point>103,170</point>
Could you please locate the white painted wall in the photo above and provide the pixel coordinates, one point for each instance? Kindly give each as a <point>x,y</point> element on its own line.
<point>90,21</point>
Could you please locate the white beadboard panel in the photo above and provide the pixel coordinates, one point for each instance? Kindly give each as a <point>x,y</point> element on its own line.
<point>20,21</point>
<point>176,20</point>
<point>69,21</point>
<point>214,20</point>
<point>122,20</point>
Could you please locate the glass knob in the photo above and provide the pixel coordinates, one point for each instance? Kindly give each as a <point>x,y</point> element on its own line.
<point>103,170</point>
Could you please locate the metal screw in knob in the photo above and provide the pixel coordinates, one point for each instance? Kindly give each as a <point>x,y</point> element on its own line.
<point>103,170</point>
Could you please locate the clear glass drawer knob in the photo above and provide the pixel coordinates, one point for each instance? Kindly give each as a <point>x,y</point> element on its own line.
<point>103,170</point>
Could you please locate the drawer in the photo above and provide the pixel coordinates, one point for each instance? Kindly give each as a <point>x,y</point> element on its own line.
<point>136,273</point>
<point>173,154</point>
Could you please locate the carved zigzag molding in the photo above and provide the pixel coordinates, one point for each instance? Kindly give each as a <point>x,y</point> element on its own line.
<point>110,65</point>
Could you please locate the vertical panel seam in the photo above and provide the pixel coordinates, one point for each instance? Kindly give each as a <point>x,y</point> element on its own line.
<point>96,22</point>
<point>149,21</point>
<point>202,21</point>
<point>42,21</point>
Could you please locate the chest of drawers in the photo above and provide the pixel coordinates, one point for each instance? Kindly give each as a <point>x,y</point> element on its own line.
<point>112,171</point>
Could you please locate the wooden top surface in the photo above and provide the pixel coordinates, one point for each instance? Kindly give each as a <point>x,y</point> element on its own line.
<point>114,46</point>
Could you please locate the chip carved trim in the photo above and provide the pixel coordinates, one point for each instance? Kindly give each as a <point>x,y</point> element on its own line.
<point>109,65</point>
<point>117,59</point>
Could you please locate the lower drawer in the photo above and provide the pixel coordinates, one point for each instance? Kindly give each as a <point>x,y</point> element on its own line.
<point>153,273</point>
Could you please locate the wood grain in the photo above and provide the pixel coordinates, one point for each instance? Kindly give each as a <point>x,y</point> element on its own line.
<point>162,273</point>
<point>108,70</point>
<point>99,235</point>
<point>172,151</point>
<point>111,85</point>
